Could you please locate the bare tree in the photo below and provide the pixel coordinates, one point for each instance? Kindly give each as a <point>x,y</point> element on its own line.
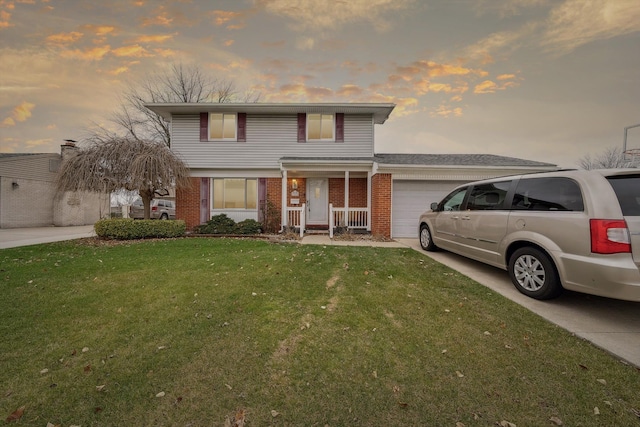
<point>181,84</point>
<point>612,157</point>
<point>108,165</point>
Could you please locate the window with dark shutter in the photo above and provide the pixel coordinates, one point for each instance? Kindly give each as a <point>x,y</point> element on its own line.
<point>204,126</point>
<point>242,127</point>
<point>339,127</point>
<point>302,127</point>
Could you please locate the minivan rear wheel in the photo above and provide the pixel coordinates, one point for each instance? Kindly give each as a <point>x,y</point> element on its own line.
<point>164,216</point>
<point>426,240</point>
<point>534,274</point>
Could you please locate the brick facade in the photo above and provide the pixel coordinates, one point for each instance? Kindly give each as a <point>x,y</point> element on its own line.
<point>381,205</point>
<point>188,204</point>
<point>357,192</point>
<point>188,199</point>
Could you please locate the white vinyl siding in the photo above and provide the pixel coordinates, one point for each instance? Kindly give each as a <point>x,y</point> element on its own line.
<point>269,137</point>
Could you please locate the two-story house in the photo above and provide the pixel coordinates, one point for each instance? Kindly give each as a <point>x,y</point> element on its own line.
<point>315,163</point>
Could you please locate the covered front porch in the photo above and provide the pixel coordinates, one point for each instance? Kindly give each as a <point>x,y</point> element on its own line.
<point>326,194</point>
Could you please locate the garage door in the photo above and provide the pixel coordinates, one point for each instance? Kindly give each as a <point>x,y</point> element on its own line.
<point>410,199</point>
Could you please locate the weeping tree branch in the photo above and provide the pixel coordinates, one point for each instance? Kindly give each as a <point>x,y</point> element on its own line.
<point>108,165</point>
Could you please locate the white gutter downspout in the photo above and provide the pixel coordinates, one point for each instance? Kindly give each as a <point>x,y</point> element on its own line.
<point>284,200</point>
<point>346,198</point>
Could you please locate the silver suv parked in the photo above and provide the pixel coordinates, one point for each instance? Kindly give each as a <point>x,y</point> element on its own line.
<point>577,229</point>
<point>160,209</point>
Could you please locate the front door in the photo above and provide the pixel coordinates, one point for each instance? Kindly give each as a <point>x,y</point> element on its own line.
<point>317,201</point>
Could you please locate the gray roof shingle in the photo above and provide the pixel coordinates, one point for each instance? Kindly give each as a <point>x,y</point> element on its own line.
<point>455,160</point>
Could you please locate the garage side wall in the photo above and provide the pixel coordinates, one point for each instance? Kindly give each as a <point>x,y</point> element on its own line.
<point>25,203</point>
<point>381,205</point>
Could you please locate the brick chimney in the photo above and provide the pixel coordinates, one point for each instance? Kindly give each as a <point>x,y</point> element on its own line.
<point>67,148</point>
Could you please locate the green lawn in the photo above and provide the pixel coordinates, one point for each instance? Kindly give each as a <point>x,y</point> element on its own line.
<point>190,332</point>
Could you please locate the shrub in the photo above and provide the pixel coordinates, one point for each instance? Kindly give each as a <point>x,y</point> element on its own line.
<point>271,216</point>
<point>248,226</point>
<point>218,224</point>
<point>222,224</point>
<point>128,229</point>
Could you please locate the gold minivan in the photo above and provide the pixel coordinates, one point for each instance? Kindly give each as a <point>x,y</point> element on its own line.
<point>571,229</point>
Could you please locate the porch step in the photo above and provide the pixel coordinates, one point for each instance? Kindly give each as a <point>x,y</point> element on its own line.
<point>307,231</point>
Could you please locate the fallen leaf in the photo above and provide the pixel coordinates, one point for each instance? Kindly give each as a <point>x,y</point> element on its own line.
<point>459,424</point>
<point>8,393</point>
<point>557,421</point>
<point>396,389</point>
<point>161,394</point>
<point>459,374</point>
<point>74,352</point>
<point>274,413</point>
<point>44,371</point>
<point>97,409</point>
<point>602,381</point>
<point>85,349</point>
<point>16,415</point>
<point>596,411</point>
<point>100,387</point>
<point>403,404</point>
<point>87,368</point>
<point>583,367</point>
<point>228,386</point>
<point>52,425</point>
<point>504,423</point>
<point>487,333</point>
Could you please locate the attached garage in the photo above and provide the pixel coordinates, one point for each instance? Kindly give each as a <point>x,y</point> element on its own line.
<point>412,197</point>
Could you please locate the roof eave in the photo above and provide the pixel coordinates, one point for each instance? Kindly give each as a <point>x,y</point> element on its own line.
<point>379,111</point>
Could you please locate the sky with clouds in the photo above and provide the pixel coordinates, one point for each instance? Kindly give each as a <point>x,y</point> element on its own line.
<point>546,80</point>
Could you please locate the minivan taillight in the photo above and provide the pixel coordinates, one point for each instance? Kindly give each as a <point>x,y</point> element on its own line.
<point>609,236</point>
<point>154,208</point>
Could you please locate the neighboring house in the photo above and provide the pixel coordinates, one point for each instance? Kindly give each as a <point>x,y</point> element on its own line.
<point>315,163</point>
<point>28,195</point>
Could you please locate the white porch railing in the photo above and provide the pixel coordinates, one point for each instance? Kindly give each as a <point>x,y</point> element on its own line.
<point>296,218</point>
<point>349,218</point>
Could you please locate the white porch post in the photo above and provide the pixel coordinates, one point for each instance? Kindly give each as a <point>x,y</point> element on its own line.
<point>369,201</point>
<point>284,200</point>
<point>346,199</point>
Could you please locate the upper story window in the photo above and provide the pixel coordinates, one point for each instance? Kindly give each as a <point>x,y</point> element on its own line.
<point>320,127</point>
<point>223,127</point>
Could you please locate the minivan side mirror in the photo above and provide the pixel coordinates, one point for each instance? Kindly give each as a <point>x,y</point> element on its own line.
<point>434,206</point>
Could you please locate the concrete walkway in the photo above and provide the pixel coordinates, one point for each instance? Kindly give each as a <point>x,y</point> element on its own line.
<point>14,237</point>
<point>609,324</point>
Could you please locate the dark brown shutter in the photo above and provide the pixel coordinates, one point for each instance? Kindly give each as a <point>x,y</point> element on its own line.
<point>339,127</point>
<point>204,200</point>
<point>302,127</point>
<point>242,127</point>
<point>204,126</point>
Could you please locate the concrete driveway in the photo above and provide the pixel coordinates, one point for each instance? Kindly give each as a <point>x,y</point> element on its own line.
<point>610,324</point>
<point>14,237</point>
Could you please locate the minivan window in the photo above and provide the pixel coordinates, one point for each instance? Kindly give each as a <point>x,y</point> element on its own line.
<point>488,196</point>
<point>627,189</point>
<point>453,201</point>
<point>548,194</point>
